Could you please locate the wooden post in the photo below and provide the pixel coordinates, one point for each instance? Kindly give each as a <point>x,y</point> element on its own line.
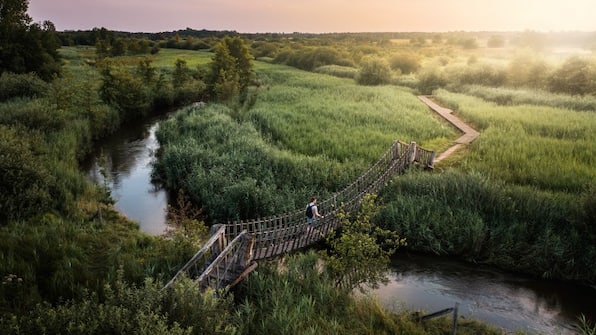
<point>220,244</point>
<point>412,153</point>
<point>431,161</point>
<point>454,328</point>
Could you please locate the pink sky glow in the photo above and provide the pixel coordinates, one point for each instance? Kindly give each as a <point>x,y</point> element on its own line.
<point>318,16</point>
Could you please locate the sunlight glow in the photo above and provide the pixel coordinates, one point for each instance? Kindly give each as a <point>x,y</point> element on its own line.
<point>319,15</point>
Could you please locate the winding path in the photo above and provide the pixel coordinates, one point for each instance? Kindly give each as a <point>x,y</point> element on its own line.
<point>469,135</point>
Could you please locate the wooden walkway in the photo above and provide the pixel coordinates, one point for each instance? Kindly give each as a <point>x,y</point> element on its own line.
<point>233,249</point>
<point>469,135</point>
<point>220,264</point>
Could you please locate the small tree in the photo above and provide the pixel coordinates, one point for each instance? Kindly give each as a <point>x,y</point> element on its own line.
<point>374,71</point>
<point>574,76</point>
<point>360,254</point>
<point>231,69</point>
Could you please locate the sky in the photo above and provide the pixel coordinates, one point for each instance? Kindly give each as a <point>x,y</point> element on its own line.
<point>318,16</point>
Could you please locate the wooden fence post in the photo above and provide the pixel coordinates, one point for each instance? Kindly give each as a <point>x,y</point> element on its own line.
<point>412,153</point>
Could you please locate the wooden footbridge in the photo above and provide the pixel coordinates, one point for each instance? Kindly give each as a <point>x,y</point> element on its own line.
<point>233,249</point>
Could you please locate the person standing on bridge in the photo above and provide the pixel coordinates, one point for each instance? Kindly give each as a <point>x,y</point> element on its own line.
<point>312,212</point>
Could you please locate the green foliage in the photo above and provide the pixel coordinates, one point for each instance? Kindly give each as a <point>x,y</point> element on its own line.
<point>186,221</point>
<point>338,71</point>
<point>126,309</point>
<point>430,79</point>
<point>405,63</point>
<point>480,219</point>
<point>21,85</point>
<point>126,92</point>
<point>360,252</point>
<point>509,96</point>
<point>285,148</point>
<point>530,145</point>
<point>312,58</point>
<point>476,74</point>
<point>575,76</point>
<point>26,47</point>
<point>299,299</point>
<point>527,70</point>
<point>25,181</point>
<point>297,296</point>
<point>374,71</point>
<point>231,70</point>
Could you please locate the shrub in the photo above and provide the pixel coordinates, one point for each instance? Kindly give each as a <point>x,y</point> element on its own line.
<point>338,71</point>
<point>374,71</point>
<point>405,63</point>
<point>430,79</point>
<point>575,76</point>
<point>25,180</point>
<point>127,92</point>
<point>21,85</point>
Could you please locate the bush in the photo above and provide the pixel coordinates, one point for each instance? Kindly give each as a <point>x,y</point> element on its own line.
<point>127,92</point>
<point>21,85</point>
<point>430,79</point>
<point>312,58</point>
<point>374,71</point>
<point>518,228</point>
<point>476,74</point>
<point>405,63</point>
<point>338,71</point>
<point>575,76</point>
<point>129,309</point>
<point>25,180</point>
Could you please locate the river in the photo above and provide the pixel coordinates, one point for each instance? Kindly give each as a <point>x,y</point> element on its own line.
<point>422,283</point>
<point>128,155</point>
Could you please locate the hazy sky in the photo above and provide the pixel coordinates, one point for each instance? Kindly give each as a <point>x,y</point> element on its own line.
<point>318,15</point>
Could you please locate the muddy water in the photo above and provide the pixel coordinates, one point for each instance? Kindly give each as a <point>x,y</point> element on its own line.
<point>421,283</point>
<point>508,301</point>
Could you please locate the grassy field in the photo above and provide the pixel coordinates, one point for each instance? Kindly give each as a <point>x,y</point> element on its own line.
<point>307,134</point>
<point>550,148</point>
<point>520,197</point>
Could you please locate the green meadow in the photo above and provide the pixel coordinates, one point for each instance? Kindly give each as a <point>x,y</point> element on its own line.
<point>521,197</point>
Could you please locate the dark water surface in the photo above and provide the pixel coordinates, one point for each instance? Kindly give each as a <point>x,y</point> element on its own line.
<point>422,283</point>
<point>128,156</point>
<point>508,301</point>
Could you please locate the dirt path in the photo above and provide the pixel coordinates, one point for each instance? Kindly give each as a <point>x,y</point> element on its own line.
<point>469,133</point>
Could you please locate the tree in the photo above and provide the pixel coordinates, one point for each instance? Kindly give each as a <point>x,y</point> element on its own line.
<point>26,47</point>
<point>231,69</point>
<point>574,76</point>
<point>374,71</point>
<point>406,63</point>
<point>360,254</point>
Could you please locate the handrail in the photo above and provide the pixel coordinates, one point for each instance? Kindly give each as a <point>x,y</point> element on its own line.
<point>243,239</point>
<point>264,238</point>
<point>217,235</point>
<point>282,232</point>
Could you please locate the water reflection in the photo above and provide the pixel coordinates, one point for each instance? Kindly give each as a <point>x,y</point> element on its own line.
<point>128,157</point>
<point>430,284</point>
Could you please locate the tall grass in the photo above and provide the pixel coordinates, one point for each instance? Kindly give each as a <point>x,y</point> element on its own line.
<point>546,147</point>
<point>511,96</point>
<point>485,220</point>
<point>307,134</point>
<point>297,296</point>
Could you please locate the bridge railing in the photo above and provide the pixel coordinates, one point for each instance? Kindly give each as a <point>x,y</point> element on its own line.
<point>284,233</point>
<point>201,260</point>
